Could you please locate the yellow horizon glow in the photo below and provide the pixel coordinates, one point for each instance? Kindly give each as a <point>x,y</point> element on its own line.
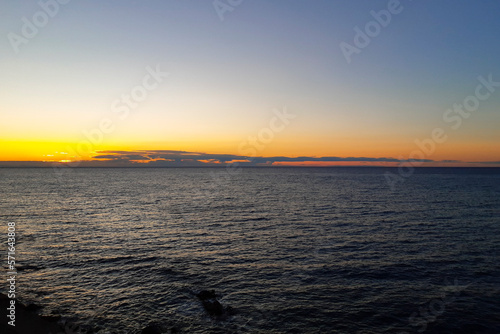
<point>60,151</point>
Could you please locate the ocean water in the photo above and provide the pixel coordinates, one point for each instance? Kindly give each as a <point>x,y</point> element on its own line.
<point>291,250</point>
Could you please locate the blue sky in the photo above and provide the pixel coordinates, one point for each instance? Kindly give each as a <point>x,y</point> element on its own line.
<point>226,76</point>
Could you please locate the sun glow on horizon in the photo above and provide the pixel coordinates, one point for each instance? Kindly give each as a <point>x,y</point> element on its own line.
<point>229,88</point>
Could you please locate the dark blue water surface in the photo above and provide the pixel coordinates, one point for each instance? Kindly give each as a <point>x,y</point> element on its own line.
<point>291,250</point>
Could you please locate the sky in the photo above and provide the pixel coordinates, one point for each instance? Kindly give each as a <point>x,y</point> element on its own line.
<point>258,82</point>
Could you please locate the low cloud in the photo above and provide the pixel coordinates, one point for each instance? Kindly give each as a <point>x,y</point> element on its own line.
<point>173,158</point>
<point>487,162</point>
<point>156,158</point>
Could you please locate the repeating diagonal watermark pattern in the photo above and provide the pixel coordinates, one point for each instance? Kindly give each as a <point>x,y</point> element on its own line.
<point>372,29</point>
<point>31,27</point>
<point>222,7</point>
<point>122,108</point>
<point>428,313</point>
<point>454,118</point>
<point>250,147</point>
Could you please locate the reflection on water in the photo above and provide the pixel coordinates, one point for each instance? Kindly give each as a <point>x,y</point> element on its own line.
<point>292,250</point>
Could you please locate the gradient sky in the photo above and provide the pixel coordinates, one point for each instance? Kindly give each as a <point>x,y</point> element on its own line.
<point>228,77</point>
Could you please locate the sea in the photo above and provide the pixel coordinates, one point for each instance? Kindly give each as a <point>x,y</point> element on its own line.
<point>287,250</point>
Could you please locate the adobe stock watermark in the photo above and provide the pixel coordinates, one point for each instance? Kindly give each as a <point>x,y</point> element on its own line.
<point>31,27</point>
<point>317,248</point>
<point>429,312</point>
<point>223,6</point>
<point>363,37</point>
<point>12,273</point>
<point>248,148</point>
<point>454,117</point>
<point>252,145</point>
<point>121,108</point>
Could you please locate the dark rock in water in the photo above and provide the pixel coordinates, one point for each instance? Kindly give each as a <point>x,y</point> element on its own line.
<point>86,329</point>
<point>51,317</point>
<point>7,329</point>
<point>33,307</point>
<point>206,294</point>
<point>152,329</point>
<point>230,311</point>
<point>213,307</point>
